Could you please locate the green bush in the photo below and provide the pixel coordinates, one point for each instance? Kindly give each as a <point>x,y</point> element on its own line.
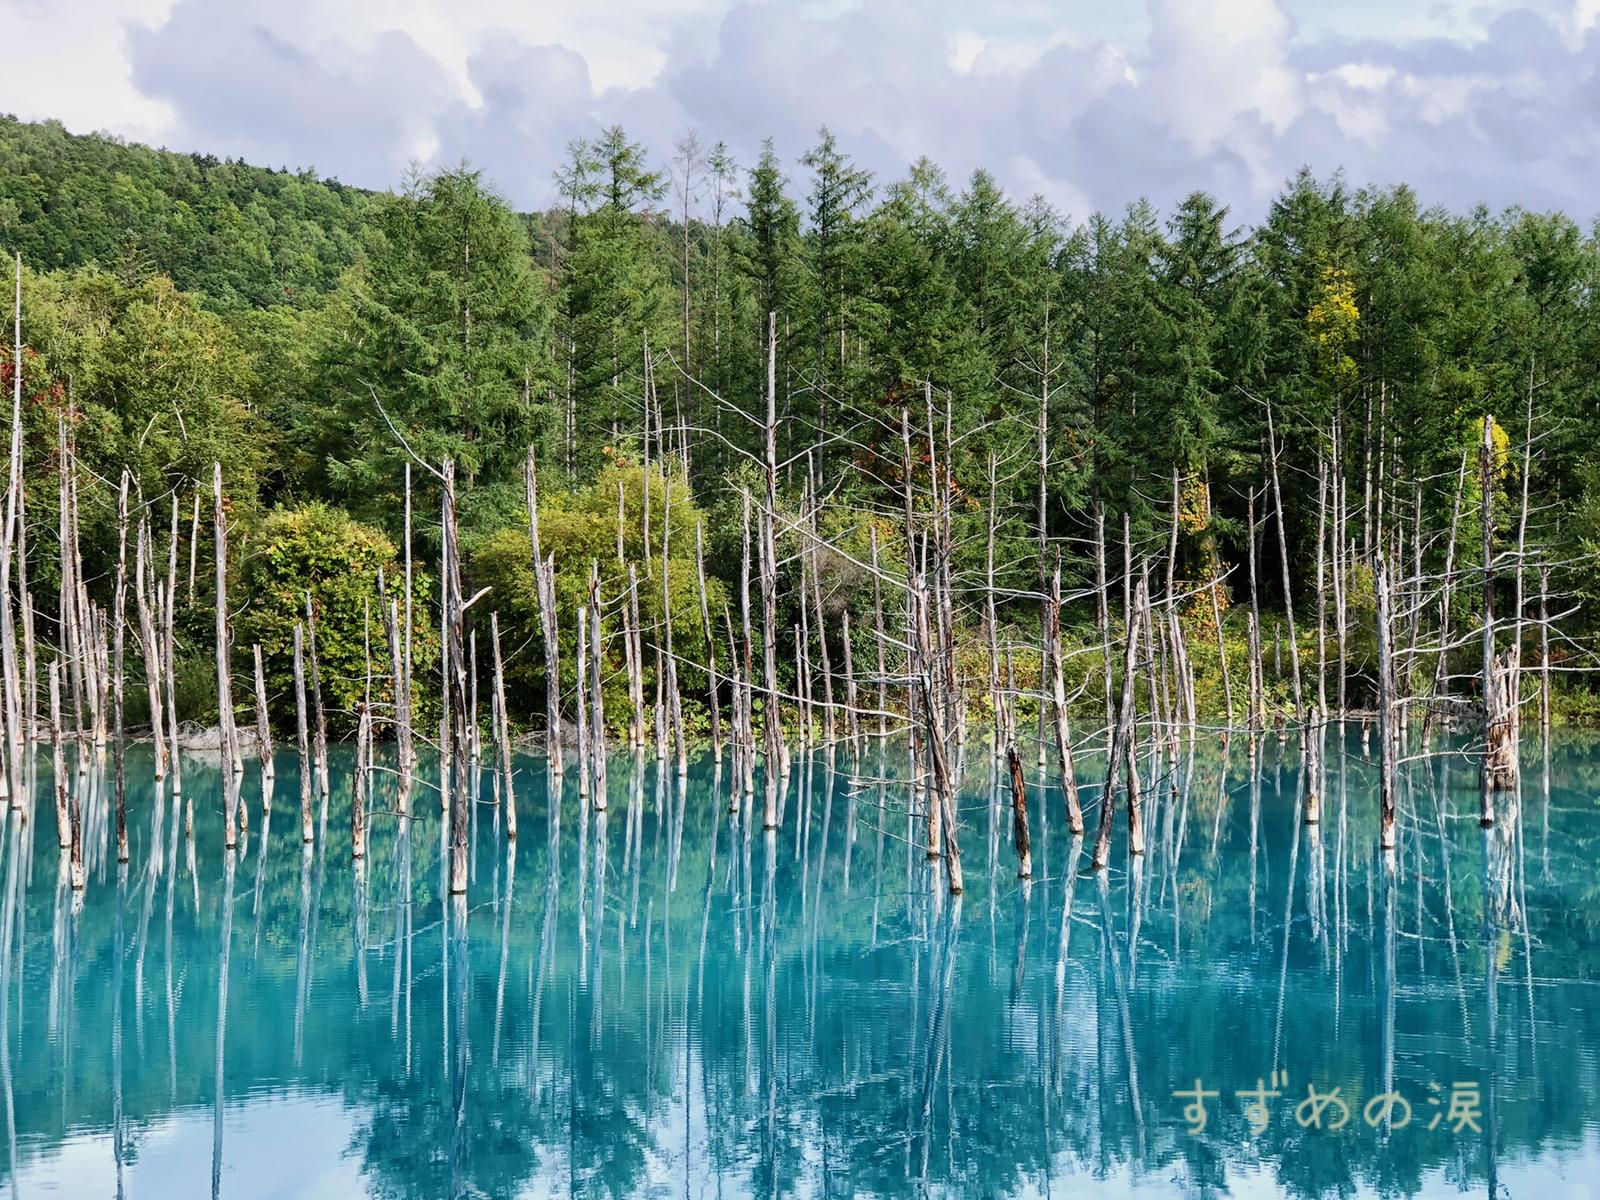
<point>318,549</point>
<point>580,528</point>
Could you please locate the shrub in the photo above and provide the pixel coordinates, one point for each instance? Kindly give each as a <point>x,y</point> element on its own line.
<point>580,528</point>
<point>319,549</point>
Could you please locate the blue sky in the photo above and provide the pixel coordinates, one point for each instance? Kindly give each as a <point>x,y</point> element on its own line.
<point>1091,105</point>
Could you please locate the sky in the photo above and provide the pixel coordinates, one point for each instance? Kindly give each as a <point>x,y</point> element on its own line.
<point>1091,105</point>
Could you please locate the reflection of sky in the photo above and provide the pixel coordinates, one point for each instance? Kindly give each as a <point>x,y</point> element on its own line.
<point>281,1147</point>
<point>294,1147</point>
<point>663,1022</point>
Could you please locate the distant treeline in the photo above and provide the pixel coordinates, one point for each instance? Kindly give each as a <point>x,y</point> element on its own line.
<point>192,310</point>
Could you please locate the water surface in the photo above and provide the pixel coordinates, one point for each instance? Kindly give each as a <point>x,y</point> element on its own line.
<point>664,1000</point>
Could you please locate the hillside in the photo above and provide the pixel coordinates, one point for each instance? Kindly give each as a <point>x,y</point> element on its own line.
<point>240,235</point>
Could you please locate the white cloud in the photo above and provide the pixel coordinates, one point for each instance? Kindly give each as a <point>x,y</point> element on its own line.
<point>75,66</point>
<point>1088,106</point>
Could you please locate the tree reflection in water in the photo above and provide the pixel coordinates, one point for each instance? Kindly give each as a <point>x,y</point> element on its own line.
<point>689,1001</point>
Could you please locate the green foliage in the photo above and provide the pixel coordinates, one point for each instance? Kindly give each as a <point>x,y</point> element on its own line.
<point>306,335</point>
<point>318,549</point>
<point>237,234</point>
<point>153,382</point>
<point>581,529</point>
<point>446,346</point>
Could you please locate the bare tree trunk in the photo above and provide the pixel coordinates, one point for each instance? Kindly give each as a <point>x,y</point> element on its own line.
<point>1258,710</point>
<point>474,732</point>
<point>828,714</point>
<point>851,696</point>
<point>168,603</point>
<point>748,686</point>
<point>769,596</point>
<point>1043,519</point>
<point>1514,707</point>
<point>194,543</point>
<point>302,735</point>
<point>1058,696</point>
<point>263,726</point>
<point>1322,594</point>
<point>230,783</point>
<point>1019,814</point>
<point>581,658</point>
<point>881,637</point>
<point>632,635</point>
<point>713,697</point>
<point>150,641</point>
<point>544,575</point>
<point>320,740</point>
<point>1283,558</point>
<point>1121,740</point>
<point>1341,558</point>
<point>1386,743</point>
<point>674,698</point>
<point>459,749</point>
<point>597,707</point>
<point>16,542</point>
<point>1446,588</point>
<point>30,654</point>
<point>407,695</point>
<point>14,716</point>
<point>120,610</point>
<point>58,759</point>
<point>1499,755</point>
<point>502,729</point>
<point>802,659</point>
<point>72,638</point>
<point>938,760</point>
<point>1103,619</point>
<point>990,618</point>
<point>402,706</point>
<point>358,783</point>
<point>1222,653</point>
<point>1544,655</point>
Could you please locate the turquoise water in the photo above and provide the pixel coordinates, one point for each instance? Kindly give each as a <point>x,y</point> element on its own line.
<point>663,1000</point>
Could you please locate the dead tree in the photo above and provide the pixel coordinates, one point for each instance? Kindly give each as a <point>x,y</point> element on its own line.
<point>713,698</point>
<point>1283,558</point>
<point>1499,766</point>
<point>1019,814</point>
<point>120,607</point>
<point>597,713</point>
<point>458,751</point>
<point>58,759</point>
<point>1121,742</point>
<point>1058,698</point>
<point>263,725</point>
<point>502,729</point>
<point>230,783</point>
<point>150,641</point>
<point>302,734</point>
<point>544,576</point>
<point>1386,740</point>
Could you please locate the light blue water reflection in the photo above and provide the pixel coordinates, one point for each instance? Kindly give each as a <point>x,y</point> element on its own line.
<point>663,1000</point>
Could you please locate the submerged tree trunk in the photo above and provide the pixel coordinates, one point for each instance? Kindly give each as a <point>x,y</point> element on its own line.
<point>1019,814</point>
<point>1386,739</point>
<point>120,618</point>
<point>1058,697</point>
<point>502,729</point>
<point>1499,766</point>
<point>1121,742</point>
<point>230,783</point>
<point>302,733</point>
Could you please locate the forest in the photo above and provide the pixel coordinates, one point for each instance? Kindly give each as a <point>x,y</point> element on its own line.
<point>1259,413</point>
